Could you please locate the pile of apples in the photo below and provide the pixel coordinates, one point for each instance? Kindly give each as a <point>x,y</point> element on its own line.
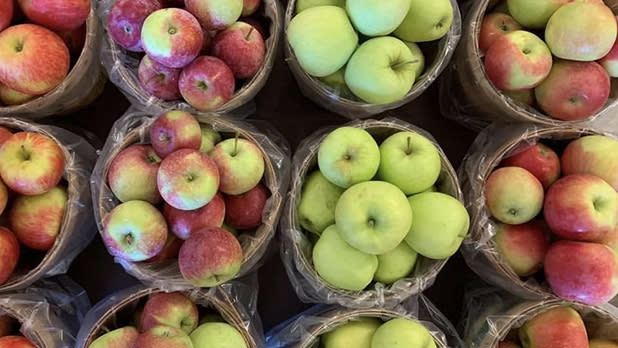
<point>357,206</point>
<point>197,52</point>
<point>577,243</point>
<point>32,198</point>
<point>324,36</point>
<point>176,194</point>
<point>568,74</point>
<point>172,320</point>
<point>9,335</point>
<point>36,57</point>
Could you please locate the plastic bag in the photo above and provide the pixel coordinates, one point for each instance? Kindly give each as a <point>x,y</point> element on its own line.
<point>296,250</point>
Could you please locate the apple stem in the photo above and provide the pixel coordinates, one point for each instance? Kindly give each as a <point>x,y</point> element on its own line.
<point>404,63</point>
<point>235,146</point>
<point>409,149</point>
<point>249,33</point>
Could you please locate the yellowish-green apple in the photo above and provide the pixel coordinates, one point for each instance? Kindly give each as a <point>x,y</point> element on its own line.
<point>558,327</point>
<point>210,138</point>
<point>599,343</point>
<point>596,155</point>
<point>216,335</point>
<point>356,333</point>
<point>323,39</point>
<point>426,21</point>
<point>514,196</point>
<point>533,14</point>
<point>376,17</point>
<point>418,56</point>
<point>124,337</point>
<point>609,62</point>
<point>341,265</point>
<point>302,5</point>
<point>402,333</point>
<point>318,200</point>
<point>395,264</point>
<point>337,82</point>
<point>215,14</point>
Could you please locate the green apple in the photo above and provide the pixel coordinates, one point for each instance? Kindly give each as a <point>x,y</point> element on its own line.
<point>217,335</point>
<point>533,14</point>
<point>210,138</point>
<point>402,333</point>
<point>426,21</point>
<point>122,338</point>
<point>373,217</point>
<point>440,224</point>
<point>395,264</point>
<point>409,161</point>
<point>348,156</point>
<point>341,265</point>
<point>431,189</point>
<point>418,56</point>
<point>322,39</point>
<point>356,333</point>
<point>377,17</point>
<point>302,5</point>
<point>318,200</point>
<point>337,82</point>
<point>381,71</point>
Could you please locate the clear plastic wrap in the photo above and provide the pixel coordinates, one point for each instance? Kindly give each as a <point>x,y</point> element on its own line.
<point>437,54</point>
<point>133,128</point>
<point>77,229</point>
<point>121,67</point>
<point>304,330</point>
<point>296,249</point>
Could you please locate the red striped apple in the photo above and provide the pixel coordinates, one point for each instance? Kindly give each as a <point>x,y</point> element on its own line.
<point>56,14</point>
<point>159,80</point>
<point>10,96</point>
<point>240,163</point>
<point>245,211</point>
<point>215,14</point>
<point>557,327</point>
<point>132,175</point>
<point>249,7</point>
<point>163,337</point>
<point>207,83</point>
<point>242,48</point>
<point>124,337</point>
<point>125,21</point>
<point>596,155</point>
<point>6,13</point>
<point>9,253</point>
<point>514,195</point>
<point>170,309</point>
<point>15,342</point>
<point>175,130</point>
<point>523,247</point>
<point>495,25</point>
<point>183,222</point>
<point>539,160</point>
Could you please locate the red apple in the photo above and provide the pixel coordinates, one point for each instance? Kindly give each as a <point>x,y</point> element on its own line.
<point>583,272</point>
<point>539,160</point>
<point>163,337</point>
<point>557,327</point>
<point>170,309</point>
<point>125,21</point>
<point>132,175</point>
<point>495,25</point>
<point>10,96</point>
<point>56,14</point>
<point>159,80</point>
<point>74,39</point>
<point>170,249</point>
<point>183,222</point>
<point>514,196</point>
<point>5,134</point>
<point>6,13</point>
<point>523,247</point>
<point>207,83</point>
<point>611,240</point>
<point>7,325</point>
<point>15,342</point>
<point>257,24</point>
<point>175,130</point>
<point>610,61</point>
<point>245,211</point>
<point>249,7</point>
<point>9,254</point>
<point>4,196</point>
<point>596,155</point>
<point>242,48</point>
<point>33,60</point>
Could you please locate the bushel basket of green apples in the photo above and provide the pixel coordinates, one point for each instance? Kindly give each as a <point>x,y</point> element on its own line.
<point>45,202</point>
<point>373,214</point>
<point>203,56</point>
<point>359,58</point>
<point>544,211</point>
<point>547,62</point>
<point>183,201</point>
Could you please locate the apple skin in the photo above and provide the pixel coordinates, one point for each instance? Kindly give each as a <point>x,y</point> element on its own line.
<point>207,83</point>
<point>302,5</point>
<point>539,160</point>
<point>574,90</point>
<point>33,60</point>
<point>31,163</point>
<point>599,343</point>
<point>74,39</point>
<point>356,333</point>
<point>132,175</point>
<point>7,325</point>
<point>6,13</point>
<point>517,60</point>
<point>495,25</point>
<point>212,335</point>
<point>245,211</point>
<point>159,80</point>
<point>10,96</point>
<point>183,222</point>
<point>134,231</point>
<point>610,61</point>
<point>211,256</point>
<point>402,333</point>
<point>9,253</point>
<point>256,23</point>
<point>169,309</point>
<point>249,7</point>
<point>36,220</point>
<point>4,197</point>
<point>215,14</point>
<point>240,163</point>
<point>5,134</point>
<point>377,18</point>
<point>523,247</point>
<point>525,96</point>
<point>514,196</point>
<point>172,37</point>
<point>426,21</point>
<point>56,14</point>
<point>126,19</point>
<point>163,337</point>
<point>558,327</point>
<point>534,14</point>
<point>175,130</point>
<point>341,265</point>
<point>395,264</point>
<point>242,48</point>
<point>124,337</point>
<point>581,207</point>
<point>596,155</point>
<point>170,249</point>
<point>210,138</point>
<point>337,82</point>
<point>15,342</point>
<point>318,199</point>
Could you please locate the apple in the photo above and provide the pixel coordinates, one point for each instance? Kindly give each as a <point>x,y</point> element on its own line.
<point>557,327</point>
<point>207,83</point>
<point>426,21</point>
<point>134,231</point>
<point>523,247</point>
<point>302,5</point>
<point>183,222</point>
<point>395,264</point>
<point>242,48</point>
<point>336,81</point>
<point>341,265</point>
<point>611,240</point>
<point>7,325</point>
<point>256,23</point>
<point>514,196</point>
<point>4,196</point>
<point>348,156</point>
<point>539,160</point>
<point>9,254</point>
<point>172,37</point>
<point>173,309</point>
<point>159,80</point>
<point>377,18</point>
<point>125,21</point>
<point>188,179</point>
<point>418,56</point>
<point>215,14</point>
<point>318,199</point>
<point>495,25</point>
<point>240,163</point>
<point>581,207</point>
<point>74,39</point>
<point>31,163</point>
<point>402,333</point>
<point>599,343</point>
<point>596,155</point>
<point>15,342</point>
<point>583,272</point>
<point>249,7</point>
<point>10,96</point>
<point>517,60</point>
<point>132,174</point>
<point>175,130</point>
<point>210,138</point>
<point>610,61</point>
<point>5,134</point>
<point>33,60</point>
<point>170,249</point>
<point>56,14</point>
<point>123,337</point>
<point>525,96</point>
<point>322,38</point>
<point>356,333</point>
<point>211,256</point>
<point>213,335</point>
<point>6,13</point>
<point>373,217</point>
<point>534,14</point>
<point>409,161</point>
<point>245,211</point>
<point>163,337</point>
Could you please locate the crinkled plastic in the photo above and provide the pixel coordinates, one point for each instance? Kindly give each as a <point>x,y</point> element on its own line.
<point>437,55</point>
<point>49,312</point>
<point>296,249</point>
<point>304,330</point>
<point>133,128</point>
<point>77,229</point>
<point>122,65</point>
<point>468,97</point>
<point>235,301</point>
